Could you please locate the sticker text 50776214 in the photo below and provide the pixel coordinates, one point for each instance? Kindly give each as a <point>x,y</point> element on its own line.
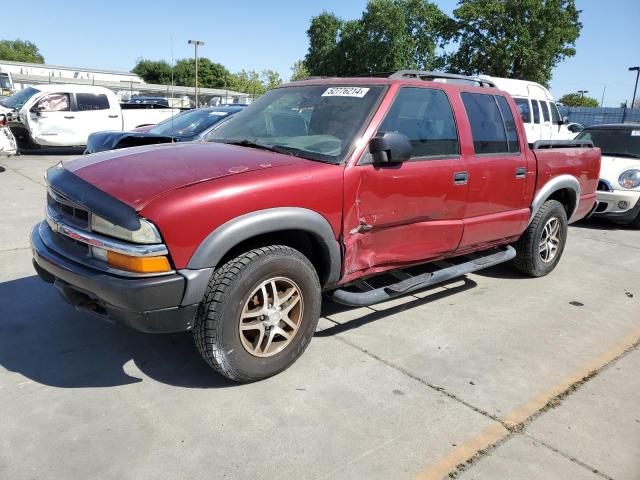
<point>358,92</point>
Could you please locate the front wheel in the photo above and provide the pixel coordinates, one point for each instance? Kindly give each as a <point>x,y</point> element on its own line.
<point>541,245</point>
<point>259,313</point>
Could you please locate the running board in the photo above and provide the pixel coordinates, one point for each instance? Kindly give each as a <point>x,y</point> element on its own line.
<point>377,295</point>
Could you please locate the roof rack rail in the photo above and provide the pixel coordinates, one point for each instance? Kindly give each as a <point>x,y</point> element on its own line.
<point>431,76</point>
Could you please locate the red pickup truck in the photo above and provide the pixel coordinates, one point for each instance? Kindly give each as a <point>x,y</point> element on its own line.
<point>319,185</point>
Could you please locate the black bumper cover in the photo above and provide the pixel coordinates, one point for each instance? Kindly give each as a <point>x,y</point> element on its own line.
<point>149,304</point>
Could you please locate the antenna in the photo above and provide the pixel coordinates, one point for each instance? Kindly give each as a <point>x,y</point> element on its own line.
<point>172,103</point>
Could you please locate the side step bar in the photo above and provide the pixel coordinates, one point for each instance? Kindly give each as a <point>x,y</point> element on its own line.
<point>377,295</point>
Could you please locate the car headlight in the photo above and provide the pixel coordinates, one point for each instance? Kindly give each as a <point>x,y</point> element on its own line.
<point>147,233</point>
<point>629,179</point>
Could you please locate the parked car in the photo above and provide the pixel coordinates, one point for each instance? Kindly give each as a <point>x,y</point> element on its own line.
<point>65,115</point>
<point>542,120</point>
<point>189,126</point>
<point>8,144</point>
<point>140,100</point>
<point>313,187</point>
<point>618,192</point>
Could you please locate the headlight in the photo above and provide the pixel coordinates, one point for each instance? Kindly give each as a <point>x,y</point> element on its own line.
<point>629,179</point>
<point>147,233</point>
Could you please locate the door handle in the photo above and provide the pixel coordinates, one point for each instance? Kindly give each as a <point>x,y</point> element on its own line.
<point>521,172</point>
<point>69,117</point>
<point>113,116</point>
<point>460,178</point>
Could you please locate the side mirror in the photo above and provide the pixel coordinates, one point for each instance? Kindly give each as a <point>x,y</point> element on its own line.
<point>390,147</point>
<point>575,128</point>
<point>564,120</point>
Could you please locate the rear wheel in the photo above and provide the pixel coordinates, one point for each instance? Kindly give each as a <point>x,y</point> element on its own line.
<point>635,223</point>
<point>541,245</point>
<point>259,313</point>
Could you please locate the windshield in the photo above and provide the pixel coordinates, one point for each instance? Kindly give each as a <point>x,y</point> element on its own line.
<point>615,142</point>
<point>189,124</point>
<point>318,122</point>
<point>18,99</point>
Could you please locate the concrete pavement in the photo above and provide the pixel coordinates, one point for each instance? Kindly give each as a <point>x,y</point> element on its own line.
<point>469,379</point>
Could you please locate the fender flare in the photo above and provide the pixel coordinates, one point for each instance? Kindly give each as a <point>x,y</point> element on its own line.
<point>219,242</point>
<point>560,182</point>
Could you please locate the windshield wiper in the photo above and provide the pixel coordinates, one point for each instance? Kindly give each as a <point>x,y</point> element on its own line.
<point>621,154</point>
<point>248,143</point>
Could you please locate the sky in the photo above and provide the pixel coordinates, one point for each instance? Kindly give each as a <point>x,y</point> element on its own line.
<point>258,35</point>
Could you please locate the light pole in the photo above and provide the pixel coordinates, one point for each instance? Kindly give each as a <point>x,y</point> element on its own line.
<point>195,43</point>
<point>582,92</point>
<point>635,89</point>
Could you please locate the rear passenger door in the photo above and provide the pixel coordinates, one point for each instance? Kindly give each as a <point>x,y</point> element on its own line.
<point>497,172</point>
<point>402,213</point>
<point>95,113</point>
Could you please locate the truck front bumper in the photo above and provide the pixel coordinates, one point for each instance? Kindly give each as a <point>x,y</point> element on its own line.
<point>618,205</point>
<point>147,304</point>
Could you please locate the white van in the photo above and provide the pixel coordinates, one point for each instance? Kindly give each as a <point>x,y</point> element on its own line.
<point>539,112</point>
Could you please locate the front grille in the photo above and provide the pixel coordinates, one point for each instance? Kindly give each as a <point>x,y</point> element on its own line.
<point>602,206</point>
<point>604,186</point>
<point>69,211</point>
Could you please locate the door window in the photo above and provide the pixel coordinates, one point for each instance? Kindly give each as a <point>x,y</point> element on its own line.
<point>536,111</point>
<point>54,102</point>
<point>509,124</point>
<point>487,125</point>
<point>545,111</point>
<point>524,109</point>
<point>555,115</point>
<point>91,101</point>
<point>424,115</point>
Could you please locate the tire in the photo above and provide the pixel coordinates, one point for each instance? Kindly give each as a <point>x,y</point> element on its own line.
<point>530,256</point>
<point>635,223</point>
<point>224,330</point>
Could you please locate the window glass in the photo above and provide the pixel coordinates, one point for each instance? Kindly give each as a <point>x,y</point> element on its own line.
<point>616,142</point>
<point>524,109</point>
<point>424,115</point>
<point>55,102</point>
<point>555,115</point>
<point>545,111</point>
<point>536,111</point>
<point>509,124</point>
<point>91,101</point>
<point>487,127</point>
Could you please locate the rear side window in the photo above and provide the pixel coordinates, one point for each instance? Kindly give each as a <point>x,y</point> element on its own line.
<point>509,124</point>
<point>536,111</point>
<point>524,109</point>
<point>545,111</point>
<point>424,115</point>
<point>487,126</point>
<point>91,101</point>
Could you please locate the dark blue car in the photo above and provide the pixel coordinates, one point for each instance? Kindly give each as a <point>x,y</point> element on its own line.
<point>188,126</point>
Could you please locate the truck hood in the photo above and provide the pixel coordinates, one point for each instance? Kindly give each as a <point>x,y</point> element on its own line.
<point>137,175</point>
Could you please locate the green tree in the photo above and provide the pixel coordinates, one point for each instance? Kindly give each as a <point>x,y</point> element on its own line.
<point>299,71</point>
<point>151,71</point>
<point>271,79</point>
<point>578,100</point>
<point>247,82</point>
<point>390,35</point>
<point>20,51</point>
<point>521,39</point>
<point>210,74</point>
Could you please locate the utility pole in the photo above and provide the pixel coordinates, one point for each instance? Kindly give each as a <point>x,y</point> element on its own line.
<point>602,99</point>
<point>635,89</point>
<point>195,43</point>
<point>582,92</point>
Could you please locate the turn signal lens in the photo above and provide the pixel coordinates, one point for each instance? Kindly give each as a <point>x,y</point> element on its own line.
<point>138,264</point>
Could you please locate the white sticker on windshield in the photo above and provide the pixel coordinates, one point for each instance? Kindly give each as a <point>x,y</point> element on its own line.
<point>358,92</point>
<point>635,133</point>
<point>219,114</point>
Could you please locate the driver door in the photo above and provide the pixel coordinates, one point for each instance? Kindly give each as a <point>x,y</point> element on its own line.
<point>397,214</point>
<point>52,123</point>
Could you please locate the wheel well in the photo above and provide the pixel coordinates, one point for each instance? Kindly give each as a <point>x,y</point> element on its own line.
<point>567,197</point>
<point>305,242</point>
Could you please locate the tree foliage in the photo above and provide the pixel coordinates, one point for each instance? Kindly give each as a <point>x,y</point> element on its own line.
<point>299,71</point>
<point>390,35</point>
<point>578,100</point>
<point>210,74</point>
<point>152,71</point>
<point>20,51</point>
<point>522,39</point>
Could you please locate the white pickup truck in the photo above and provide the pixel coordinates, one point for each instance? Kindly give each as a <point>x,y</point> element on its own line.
<point>65,115</point>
